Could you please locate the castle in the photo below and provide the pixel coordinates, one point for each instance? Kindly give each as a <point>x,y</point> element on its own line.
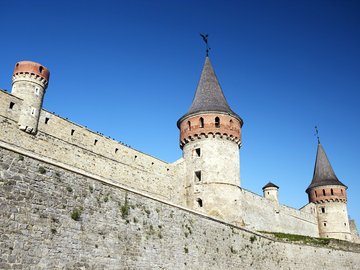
<point>205,180</point>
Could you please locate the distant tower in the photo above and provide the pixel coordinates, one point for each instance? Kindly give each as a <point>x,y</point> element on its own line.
<point>210,137</point>
<point>29,83</point>
<point>329,195</point>
<point>270,192</point>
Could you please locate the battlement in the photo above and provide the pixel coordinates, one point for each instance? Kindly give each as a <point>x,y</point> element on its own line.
<point>210,124</point>
<point>333,193</point>
<point>31,70</point>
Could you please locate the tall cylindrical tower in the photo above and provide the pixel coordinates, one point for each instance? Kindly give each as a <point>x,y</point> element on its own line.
<point>29,83</point>
<point>329,195</point>
<point>210,137</point>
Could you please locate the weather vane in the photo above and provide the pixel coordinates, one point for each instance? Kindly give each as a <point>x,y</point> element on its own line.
<point>205,38</point>
<point>317,134</point>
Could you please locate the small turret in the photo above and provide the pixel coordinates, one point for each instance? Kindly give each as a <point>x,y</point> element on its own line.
<point>270,192</point>
<point>329,194</point>
<point>29,82</point>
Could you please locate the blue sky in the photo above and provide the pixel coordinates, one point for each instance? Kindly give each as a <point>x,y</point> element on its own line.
<point>129,69</point>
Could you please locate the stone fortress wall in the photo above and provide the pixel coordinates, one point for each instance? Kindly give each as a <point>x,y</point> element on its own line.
<point>67,143</point>
<point>261,214</point>
<point>53,218</point>
<point>83,155</point>
<point>88,152</point>
<point>73,145</point>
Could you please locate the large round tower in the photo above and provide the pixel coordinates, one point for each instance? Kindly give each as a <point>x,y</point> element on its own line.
<point>329,195</point>
<point>29,83</point>
<point>210,137</point>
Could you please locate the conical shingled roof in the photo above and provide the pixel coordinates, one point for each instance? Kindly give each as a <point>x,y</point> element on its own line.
<point>270,184</point>
<point>208,96</point>
<point>323,172</point>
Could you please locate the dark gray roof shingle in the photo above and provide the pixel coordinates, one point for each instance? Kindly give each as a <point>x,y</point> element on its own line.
<point>208,96</point>
<point>323,172</point>
<point>270,185</point>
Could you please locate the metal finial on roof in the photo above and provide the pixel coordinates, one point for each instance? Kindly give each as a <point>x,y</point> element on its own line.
<point>317,134</point>
<point>208,95</point>
<point>206,38</point>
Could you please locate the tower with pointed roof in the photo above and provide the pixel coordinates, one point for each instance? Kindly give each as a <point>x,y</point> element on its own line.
<point>210,137</point>
<point>329,195</point>
<point>270,191</point>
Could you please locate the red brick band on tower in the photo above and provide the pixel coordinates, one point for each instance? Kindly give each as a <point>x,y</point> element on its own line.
<point>194,126</point>
<point>29,67</point>
<point>323,194</point>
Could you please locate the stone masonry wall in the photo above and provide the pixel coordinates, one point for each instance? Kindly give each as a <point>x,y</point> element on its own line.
<point>76,146</point>
<point>52,218</point>
<point>262,214</point>
<point>67,143</point>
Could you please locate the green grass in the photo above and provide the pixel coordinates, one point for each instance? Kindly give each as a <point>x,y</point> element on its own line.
<point>76,213</point>
<point>42,170</point>
<point>125,209</point>
<point>300,238</point>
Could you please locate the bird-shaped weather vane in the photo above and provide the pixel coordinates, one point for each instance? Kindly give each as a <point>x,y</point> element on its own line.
<point>205,38</point>
<point>317,134</point>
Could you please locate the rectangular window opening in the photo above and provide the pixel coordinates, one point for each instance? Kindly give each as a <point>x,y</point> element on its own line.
<point>198,152</point>
<point>116,149</point>
<point>200,202</point>
<point>47,120</point>
<point>95,142</point>
<point>72,132</point>
<point>322,209</point>
<point>198,176</point>
<point>11,106</point>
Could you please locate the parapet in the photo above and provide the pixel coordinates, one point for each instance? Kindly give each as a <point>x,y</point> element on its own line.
<point>321,194</point>
<point>206,124</point>
<point>32,68</point>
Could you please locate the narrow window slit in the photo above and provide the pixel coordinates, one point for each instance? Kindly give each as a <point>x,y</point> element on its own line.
<point>47,120</point>
<point>217,122</point>
<point>199,201</point>
<point>201,122</point>
<point>11,106</point>
<point>72,132</point>
<point>95,141</point>
<point>231,124</point>
<point>198,176</point>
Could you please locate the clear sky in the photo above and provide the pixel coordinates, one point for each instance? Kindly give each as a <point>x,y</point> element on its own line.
<point>129,69</point>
